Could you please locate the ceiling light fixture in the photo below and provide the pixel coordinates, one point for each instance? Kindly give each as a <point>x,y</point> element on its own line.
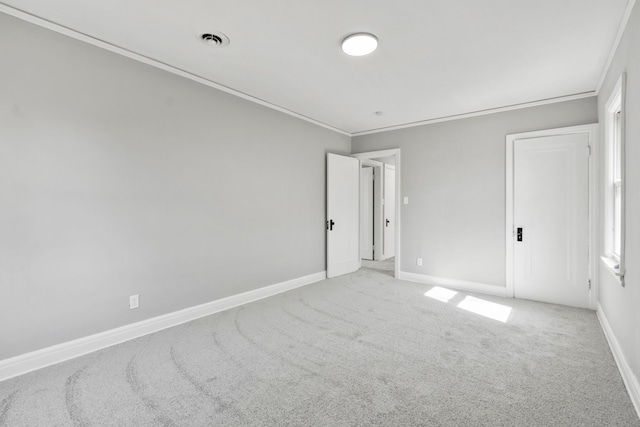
<point>359,44</point>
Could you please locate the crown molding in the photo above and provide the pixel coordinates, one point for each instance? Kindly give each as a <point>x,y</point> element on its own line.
<point>616,43</point>
<point>479,113</point>
<point>25,16</point>
<point>185,74</point>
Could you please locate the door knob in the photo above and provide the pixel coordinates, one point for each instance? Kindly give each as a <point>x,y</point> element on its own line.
<point>519,234</point>
<point>330,225</point>
<point>387,224</point>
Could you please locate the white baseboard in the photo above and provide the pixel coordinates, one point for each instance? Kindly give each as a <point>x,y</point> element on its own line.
<point>630,380</point>
<point>32,361</point>
<point>461,285</point>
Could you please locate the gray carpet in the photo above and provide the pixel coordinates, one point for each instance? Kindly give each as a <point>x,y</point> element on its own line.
<point>387,266</point>
<point>362,349</point>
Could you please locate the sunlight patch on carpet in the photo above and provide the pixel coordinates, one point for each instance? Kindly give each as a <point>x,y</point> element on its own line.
<point>486,308</point>
<point>440,294</point>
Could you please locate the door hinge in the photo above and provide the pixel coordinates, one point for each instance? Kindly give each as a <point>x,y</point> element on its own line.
<point>589,284</point>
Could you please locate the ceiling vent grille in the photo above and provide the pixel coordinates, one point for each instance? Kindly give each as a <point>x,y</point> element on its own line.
<point>215,39</point>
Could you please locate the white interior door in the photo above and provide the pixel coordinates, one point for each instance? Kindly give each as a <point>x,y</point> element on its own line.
<point>551,219</point>
<point>389,211</point>
<point>366,212</point>
<point>343,188</point>
<point>378,213</point>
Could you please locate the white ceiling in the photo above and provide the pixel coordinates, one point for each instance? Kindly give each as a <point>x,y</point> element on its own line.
<point>435,59</point>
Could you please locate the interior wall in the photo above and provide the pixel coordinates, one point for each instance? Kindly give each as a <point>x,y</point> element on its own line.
<point>117,178</point>
<point>454,175</point>
<point>621,305</point>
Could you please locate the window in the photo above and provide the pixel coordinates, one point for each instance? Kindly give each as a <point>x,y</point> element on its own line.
<point>614,185</point>
<point>617,184</point>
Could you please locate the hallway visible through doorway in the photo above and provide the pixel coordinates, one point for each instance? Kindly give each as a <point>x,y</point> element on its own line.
<point>386,267</point>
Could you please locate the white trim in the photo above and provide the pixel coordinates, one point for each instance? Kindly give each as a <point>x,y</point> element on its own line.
<point>479,113</point>
<point>461,285</point>
<point>28,362</point>
<point>616,100</point>
<point>629,379</point>
<point>17,13</point>
<point>388,169</point>
<point>387,153</point>
<point>377,154</point>
<point>157,64</point>
<point>616,43</point>
<point>509,232</point>
<point>610,265</point>
<point>592,131</point>
<point>371,163</point>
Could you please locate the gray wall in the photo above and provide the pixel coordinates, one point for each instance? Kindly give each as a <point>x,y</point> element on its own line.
<point>621,306</point>
<point>117,178</point>
<point>454,175</point>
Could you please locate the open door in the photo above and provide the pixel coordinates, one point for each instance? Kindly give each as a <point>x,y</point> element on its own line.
<point>389,249</point>
<point>343,198</point>
<point>366,212</point>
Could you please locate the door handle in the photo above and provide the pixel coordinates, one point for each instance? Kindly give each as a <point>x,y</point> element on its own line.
<point>330,225</point>
<point>519,234</point>
<point>387,224</point>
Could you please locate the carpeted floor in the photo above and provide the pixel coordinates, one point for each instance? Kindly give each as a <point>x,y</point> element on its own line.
<point>387,266</point>
<point>362,349</point>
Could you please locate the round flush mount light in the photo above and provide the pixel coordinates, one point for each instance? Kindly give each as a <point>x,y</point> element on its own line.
<point>216,39</point>
<point>359,44</point>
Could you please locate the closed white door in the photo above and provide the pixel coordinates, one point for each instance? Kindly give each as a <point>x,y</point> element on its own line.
<point>389,211</point>
<point>551,219</point>
<point>366,213</point>
<point>343,188</point>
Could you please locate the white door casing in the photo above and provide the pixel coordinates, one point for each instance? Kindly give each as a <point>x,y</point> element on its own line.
<point>343,231</point>
<point>396,152</point>
<point>548,209</point>
<point>389,211</point>
<point>366,212</point>
<point>378,212</point>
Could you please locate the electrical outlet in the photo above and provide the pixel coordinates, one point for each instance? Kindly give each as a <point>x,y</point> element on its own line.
<point>419,262</point>
<point>134,301</point>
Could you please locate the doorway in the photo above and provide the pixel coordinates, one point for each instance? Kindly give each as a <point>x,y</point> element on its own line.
<point>550,205</point>
<point>380,210</point>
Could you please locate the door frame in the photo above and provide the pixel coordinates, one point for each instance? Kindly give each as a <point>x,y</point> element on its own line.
<point>377,206</point>
<point>592,132</point>
<point>387,153</point>
<point>367,212</point>
<point>384,217</point>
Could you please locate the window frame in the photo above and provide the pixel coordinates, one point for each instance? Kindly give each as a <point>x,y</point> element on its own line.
<point>614,200</point>
<point>616,183</point>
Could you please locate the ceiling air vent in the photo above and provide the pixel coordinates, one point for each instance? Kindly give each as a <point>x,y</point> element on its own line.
<point>215,39</point>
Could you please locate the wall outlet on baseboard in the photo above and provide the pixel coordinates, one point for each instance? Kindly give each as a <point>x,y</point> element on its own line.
<point>419,262</point>
<point>134,301</point>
